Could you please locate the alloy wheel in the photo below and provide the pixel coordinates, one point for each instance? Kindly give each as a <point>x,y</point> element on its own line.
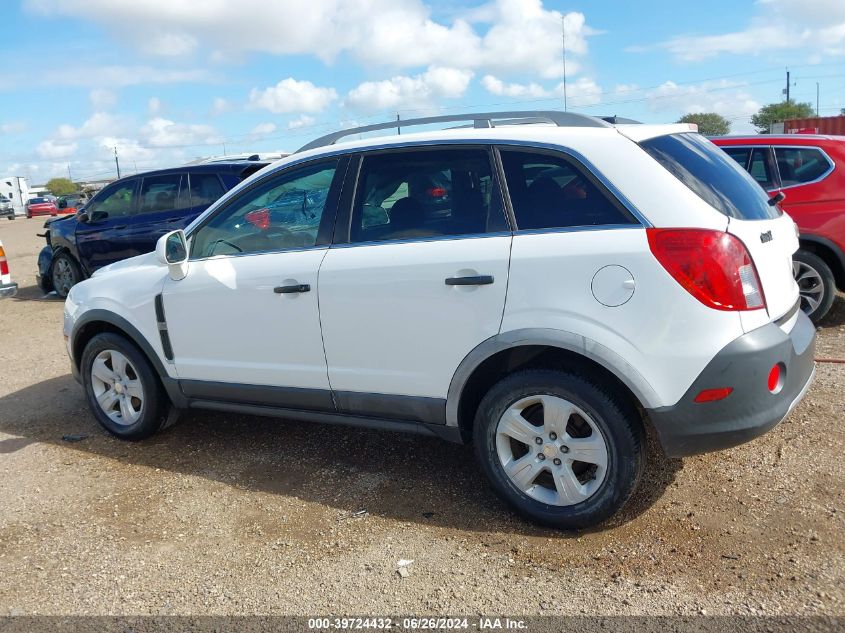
<point>117,387</point>
<point>551,450</point>
<point>63,276</point>
<point>810,285</point>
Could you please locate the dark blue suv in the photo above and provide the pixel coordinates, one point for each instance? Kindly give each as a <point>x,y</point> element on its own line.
<point>128,216</point>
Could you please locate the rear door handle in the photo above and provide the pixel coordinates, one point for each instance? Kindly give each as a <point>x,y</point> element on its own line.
<point>287,290</point>
<point>477,280</point>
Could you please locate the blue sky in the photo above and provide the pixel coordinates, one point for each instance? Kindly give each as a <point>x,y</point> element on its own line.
<point>170,80</point>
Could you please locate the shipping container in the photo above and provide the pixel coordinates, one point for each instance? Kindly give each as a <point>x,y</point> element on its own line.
<point>816,125</point>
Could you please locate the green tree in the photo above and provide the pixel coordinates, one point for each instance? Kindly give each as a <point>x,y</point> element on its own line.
<point>60,186</point>
<point>777,112</point>
<point>709,123</point>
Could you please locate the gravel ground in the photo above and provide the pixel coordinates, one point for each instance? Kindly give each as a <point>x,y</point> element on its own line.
<point>228,514</point>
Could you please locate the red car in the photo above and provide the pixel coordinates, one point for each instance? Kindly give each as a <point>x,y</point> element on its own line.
<point>810,171</point>
<point>41,206</point>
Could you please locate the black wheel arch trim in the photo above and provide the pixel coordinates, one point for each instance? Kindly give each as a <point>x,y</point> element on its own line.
<point>561,339</point>
<point>171,385</point>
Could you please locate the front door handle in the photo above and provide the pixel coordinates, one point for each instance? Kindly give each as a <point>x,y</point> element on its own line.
<point>287,290</point>
<point>476,280</point>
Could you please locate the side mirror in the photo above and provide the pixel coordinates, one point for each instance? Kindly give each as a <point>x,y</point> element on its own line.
<point>63,204</point>
<point>172,250</point>
<point>82,217</point>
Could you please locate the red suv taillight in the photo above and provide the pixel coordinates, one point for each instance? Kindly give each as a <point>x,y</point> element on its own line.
<point>4,265</point>
<point>713,266</point>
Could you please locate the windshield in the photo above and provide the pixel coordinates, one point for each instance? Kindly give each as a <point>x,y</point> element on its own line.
<point>713,175</point>
<point>38,200</point>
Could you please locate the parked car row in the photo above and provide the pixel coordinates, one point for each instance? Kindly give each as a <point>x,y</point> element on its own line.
<point>810,171</point>
<point>541,284</point>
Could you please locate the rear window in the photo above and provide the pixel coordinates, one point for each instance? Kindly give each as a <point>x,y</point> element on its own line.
<point>713,175</point>
<point>800,165</point>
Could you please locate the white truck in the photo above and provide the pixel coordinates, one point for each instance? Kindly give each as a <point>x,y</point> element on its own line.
<point>16,189</point>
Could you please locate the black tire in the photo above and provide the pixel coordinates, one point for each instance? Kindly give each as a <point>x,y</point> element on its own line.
<point>65,273</point>
<point>818,286</point>
<point>153,412</point>
<point>618,421</point>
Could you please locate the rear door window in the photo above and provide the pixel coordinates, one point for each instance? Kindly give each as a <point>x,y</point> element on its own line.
<point>205,189</point>
<point>712,175</point>
<point>800,165</point>
<point>426,193</point>
<point>164,193</point>
<point>550,191</point>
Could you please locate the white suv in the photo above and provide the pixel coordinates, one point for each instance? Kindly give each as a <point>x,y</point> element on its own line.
<point>543,284</point>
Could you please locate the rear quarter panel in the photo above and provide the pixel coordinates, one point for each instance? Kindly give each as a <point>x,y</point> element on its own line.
<point>661,331</point>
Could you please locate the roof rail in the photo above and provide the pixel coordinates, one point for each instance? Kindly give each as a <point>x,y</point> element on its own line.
<point>479,120</point>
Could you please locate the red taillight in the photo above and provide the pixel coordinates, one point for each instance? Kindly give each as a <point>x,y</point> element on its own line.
<point>4,265</point>
<point>713,266</point>
<point>436,192</point>
<point>711,395</point>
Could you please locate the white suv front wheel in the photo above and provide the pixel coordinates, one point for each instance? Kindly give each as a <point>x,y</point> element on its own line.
<point>121,387</point>
<point>560,448</point>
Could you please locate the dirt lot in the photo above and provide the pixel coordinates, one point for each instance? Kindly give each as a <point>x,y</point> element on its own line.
<point>233,514</point>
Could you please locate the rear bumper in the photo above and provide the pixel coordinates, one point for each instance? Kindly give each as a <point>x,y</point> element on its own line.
<point>8,290</point>
<point>689,427</point>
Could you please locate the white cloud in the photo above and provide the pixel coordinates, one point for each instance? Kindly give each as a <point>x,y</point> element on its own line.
<point>128,149</point>
<point>153,105</point>
<point>815,25</point>
<point>497,87</point>
<point>581,93</point>
<point>53,150</point>
<point>263,128</point>
<point>221,106</point>
<point>121,76</point>
<point>502,37</point>
<point>402,91</point>
<point>290,95</point>
<point>301,121</point>
<point>13,127</point>
<point>160,132</point>
<point>730,99</point>
<point>102,99</point>
<point>98,124</point>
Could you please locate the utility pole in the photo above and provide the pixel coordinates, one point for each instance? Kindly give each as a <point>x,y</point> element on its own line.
<point>817,98</point>
<point>224,149</point>
<point>787,86</point>
<point>116,162</point>
<point>398,127</point>
<point>69,177</point>
<point>563,50</point>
